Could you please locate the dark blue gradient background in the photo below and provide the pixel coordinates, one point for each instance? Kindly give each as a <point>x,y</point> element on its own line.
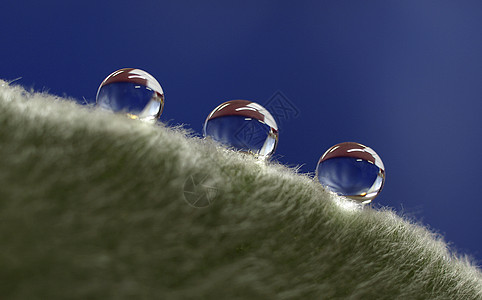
<point>402,77</point>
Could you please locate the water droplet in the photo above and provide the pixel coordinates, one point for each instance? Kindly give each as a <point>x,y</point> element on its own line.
<point>133,92</point>
<point>243,125</point>
<point>352,170</point>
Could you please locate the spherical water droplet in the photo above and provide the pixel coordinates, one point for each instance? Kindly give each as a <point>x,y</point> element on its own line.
<point>132,91</point>
<point>243,125</point>
<point>352,170</point>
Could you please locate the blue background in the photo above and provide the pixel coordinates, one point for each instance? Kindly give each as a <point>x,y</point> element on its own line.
<point>403,77</point>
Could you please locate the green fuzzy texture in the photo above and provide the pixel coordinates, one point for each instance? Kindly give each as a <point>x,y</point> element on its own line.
<point>97,206</point>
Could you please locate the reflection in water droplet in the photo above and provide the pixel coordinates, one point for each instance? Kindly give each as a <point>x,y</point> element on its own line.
<point>133,92</point>
<point>243,125</point>
<point>352,170</point>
